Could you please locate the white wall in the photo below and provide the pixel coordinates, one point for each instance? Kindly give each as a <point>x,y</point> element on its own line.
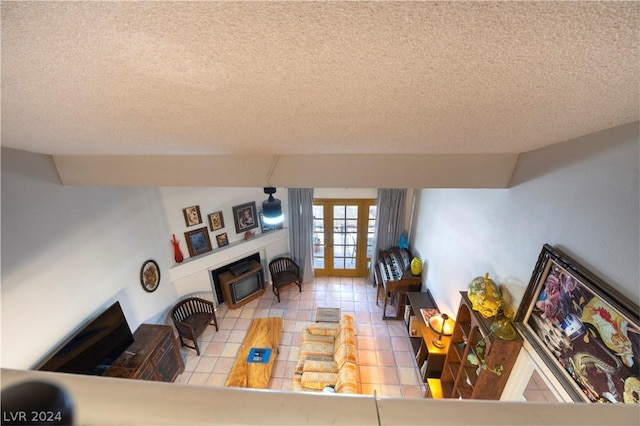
<point>581,196</point>
<point>68,252</point>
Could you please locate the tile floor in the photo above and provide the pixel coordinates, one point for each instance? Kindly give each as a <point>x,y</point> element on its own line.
<point>387,365</point>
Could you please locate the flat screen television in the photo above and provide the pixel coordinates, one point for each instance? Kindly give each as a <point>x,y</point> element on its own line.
<point>92,348</point>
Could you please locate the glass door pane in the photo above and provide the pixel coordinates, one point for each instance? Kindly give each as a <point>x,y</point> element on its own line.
<point>318,238</point>
<point>345,236</point>
<point>371,232</point>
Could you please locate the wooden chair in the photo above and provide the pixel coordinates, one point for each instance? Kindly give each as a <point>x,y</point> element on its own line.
<point>191,317</point>
<point>284,271</point>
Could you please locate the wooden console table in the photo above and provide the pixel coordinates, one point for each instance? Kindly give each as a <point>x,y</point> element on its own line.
<point>262,333</point>
<point>429,358</point>
<point>154,355</point>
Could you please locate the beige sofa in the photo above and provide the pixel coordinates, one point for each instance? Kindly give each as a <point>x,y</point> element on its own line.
<point>328,358</point>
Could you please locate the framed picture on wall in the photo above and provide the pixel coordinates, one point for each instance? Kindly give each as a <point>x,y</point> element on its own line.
<point>198,241</point>
<point>265,227</point>
<point>245,217</point>
<point>586,332</point>
<point>216,221</point>
<point>192,215</point>
<point>150,275</point>
<point>222,239</point>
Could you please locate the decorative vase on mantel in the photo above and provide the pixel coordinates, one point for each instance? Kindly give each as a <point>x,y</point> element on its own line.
<point>177,254</point>
<point>416,266</point>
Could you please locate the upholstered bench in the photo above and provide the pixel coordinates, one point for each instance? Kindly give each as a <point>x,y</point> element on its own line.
<point>328,358</point>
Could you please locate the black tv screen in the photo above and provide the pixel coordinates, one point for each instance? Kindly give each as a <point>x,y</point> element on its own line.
<point>93,347</point>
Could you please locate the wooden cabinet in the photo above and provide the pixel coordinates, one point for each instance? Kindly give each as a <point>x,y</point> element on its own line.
<point>154,355</point>
<point>463,376</point>
<point>430,359</point>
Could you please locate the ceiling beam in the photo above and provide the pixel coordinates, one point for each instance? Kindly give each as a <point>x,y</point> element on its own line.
<point>313,171</point>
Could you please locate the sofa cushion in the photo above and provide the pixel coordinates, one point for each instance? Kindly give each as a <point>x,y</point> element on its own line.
<point>311,365</point>
<point>348,379</point>
<point>318,381</point>
<point>307,336</point>
<point>323,328</point>
<point>316,348</point>
<point>345,346</point>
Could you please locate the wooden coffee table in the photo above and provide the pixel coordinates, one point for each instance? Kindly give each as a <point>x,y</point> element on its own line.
<point>262,333</point>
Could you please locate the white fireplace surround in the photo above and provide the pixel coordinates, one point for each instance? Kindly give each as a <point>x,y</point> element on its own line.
<point>194,274</point>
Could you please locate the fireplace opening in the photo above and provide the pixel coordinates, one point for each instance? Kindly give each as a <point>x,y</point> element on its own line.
<point>237,268</point>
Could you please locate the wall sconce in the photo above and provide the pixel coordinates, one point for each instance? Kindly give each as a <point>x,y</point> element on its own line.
<point>272,208</point>
<point>443,325</point>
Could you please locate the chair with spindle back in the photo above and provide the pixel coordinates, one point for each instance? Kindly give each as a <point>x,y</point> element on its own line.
<point>284,271</point>
<point>191,317</point>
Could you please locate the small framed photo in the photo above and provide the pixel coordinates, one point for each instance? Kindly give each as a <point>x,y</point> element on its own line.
<point>216,221</point>
<point>198,241</point>
<point>265,227</point>
<point>192,215</point>
<point>150,275</point>
<point>245,217</point>
<point>222,239</point>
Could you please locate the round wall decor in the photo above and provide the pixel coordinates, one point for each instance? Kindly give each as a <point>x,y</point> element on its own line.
<point>150,275</point>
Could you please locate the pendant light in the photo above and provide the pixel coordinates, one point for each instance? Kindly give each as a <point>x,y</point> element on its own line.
<point>272,208</point>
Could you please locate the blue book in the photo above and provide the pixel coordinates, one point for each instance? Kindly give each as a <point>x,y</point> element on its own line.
<point>259,355</point>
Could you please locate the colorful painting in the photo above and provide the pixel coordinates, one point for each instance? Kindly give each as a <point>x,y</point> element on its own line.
<point>587,332</point>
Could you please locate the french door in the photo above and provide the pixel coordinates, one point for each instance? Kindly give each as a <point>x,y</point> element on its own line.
<point>343,233</point>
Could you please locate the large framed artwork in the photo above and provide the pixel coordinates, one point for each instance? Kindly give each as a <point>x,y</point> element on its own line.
<point>587,333</point>
<point>245,217</point>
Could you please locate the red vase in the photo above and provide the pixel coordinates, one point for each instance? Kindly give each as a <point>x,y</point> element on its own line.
<point>177,254</point>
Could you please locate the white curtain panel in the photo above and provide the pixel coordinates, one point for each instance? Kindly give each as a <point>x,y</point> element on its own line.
<point>389,222</point>
<point>301,229</point>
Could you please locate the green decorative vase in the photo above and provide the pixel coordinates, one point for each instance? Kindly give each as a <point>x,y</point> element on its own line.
<point>416,266</point>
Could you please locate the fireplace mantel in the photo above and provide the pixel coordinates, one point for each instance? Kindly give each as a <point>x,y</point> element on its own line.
<point>224,255</point>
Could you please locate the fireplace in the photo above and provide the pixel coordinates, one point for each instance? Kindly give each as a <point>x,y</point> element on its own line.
<point>235,269</point>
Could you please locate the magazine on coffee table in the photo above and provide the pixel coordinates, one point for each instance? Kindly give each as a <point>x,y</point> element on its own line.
<point>259,355</point>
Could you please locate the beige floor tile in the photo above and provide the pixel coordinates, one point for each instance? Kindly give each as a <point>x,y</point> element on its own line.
<point>223,365</point>
<point>205,365</point>
<point>237,336</point>
<point>199,379</point>
<point>412,391</point>
<point>385,359</point>
<point>391,391</point>
<point>214,349</point>
<point>217,379</point>
<point>408,376</point>
<point>230,350</point>
<point>388,375</point>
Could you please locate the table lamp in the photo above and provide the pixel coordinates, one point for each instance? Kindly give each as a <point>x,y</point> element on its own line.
<point>443,325</point>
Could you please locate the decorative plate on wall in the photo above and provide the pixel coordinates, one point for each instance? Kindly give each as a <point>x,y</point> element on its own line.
<point>150,275</point>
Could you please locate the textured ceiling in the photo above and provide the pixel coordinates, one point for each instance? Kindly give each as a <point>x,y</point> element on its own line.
<point>214,78</point>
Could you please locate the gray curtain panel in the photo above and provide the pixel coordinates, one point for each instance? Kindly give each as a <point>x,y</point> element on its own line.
<point>389,222</point>
<point>301,229</point>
